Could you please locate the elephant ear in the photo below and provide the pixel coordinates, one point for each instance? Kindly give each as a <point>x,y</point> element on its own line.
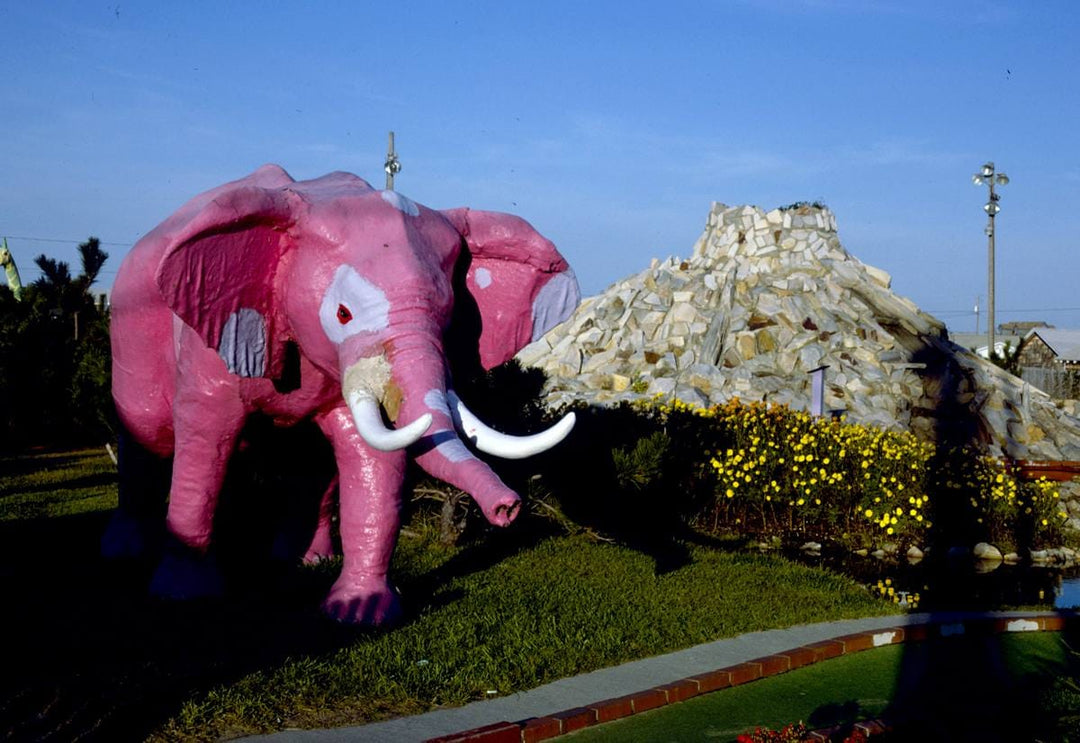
<point>521,285</point>
<point>219,265</point>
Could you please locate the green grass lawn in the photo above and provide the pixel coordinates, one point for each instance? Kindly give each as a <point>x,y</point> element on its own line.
<point>1002,687</point>
<point>51,484</point>
<point>87,652</point>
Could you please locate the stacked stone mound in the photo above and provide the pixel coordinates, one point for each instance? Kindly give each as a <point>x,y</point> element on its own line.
<point>765,299</point>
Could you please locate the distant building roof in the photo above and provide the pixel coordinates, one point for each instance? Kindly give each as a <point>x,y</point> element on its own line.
<point>1021,327</point>
<point>1064,343</point>
<point>977,342</point>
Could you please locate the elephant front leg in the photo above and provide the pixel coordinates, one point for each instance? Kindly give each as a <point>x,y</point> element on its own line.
<point>208,423</point>
<point>370,485</point>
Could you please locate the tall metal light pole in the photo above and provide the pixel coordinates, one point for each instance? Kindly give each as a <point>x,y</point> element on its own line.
<point>990,178</point>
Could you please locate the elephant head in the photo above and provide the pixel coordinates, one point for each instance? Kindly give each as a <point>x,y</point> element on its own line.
<point>362,282</point>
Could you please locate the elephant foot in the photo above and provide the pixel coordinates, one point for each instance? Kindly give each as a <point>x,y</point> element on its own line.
<point>321,548</point>
<point>124,537</point>
<point>185,575</point>
<point>314,556</point>
<point>368,601</point>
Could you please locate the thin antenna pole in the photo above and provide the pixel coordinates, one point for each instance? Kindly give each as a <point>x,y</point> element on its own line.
<point>392,166</point>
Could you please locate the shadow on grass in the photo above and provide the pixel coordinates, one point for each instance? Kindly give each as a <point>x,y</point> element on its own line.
<point>34,460</point>
<point>951,688</point>
<point>836,713</point>
<point>89,655</point>
<point>975,686</point>
<point>100,480</point>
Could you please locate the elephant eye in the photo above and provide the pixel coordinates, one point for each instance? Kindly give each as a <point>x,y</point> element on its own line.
<point>343,314</point>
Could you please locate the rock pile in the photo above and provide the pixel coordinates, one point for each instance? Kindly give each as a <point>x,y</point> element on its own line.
<point>765,299</point>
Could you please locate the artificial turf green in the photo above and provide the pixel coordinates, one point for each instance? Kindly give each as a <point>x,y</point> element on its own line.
<point>957,688</point>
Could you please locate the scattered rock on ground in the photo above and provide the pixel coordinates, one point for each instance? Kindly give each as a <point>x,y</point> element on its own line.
<point>986,551</point>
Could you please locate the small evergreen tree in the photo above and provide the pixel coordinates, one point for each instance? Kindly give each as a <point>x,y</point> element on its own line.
<point>54,356</point>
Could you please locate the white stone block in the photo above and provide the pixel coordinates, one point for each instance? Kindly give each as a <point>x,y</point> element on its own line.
<point>1022,625</point>
<point>886,638</point>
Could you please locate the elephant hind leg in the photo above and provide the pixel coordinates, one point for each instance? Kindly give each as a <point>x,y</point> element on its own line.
<point>208,424</point>
<point>322,545</point>
<point>135,526</point>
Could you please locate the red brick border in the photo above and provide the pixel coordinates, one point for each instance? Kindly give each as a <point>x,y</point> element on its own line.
<point>537,729</point>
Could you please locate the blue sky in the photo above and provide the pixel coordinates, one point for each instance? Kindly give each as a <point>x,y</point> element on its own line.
<point>610,126</point>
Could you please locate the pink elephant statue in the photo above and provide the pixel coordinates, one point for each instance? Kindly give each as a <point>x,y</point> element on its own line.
<point>327,300</point>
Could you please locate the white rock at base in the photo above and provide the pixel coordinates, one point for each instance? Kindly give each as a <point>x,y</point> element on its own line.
<point>986,551</point>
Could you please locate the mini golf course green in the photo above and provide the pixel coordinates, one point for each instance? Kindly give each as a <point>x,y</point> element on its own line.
<point>997,687</point>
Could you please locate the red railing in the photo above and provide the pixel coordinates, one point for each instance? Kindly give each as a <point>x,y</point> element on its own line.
<point>1061,471</point>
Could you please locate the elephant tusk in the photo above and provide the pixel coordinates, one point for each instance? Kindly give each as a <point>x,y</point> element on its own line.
<point>503,445</point>
<point>365,412</point>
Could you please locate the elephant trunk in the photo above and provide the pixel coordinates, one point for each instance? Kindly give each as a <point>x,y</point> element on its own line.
<point>414,370</point>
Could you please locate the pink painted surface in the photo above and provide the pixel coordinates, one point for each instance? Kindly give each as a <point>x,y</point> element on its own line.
<point>204,305</point>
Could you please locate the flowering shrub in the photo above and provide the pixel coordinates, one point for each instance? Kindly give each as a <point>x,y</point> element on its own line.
<point>773,470</point>
<point>886,590</point>
<point>793,733</point>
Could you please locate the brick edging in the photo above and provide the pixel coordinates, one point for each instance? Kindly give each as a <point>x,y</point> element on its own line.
<point>550,726</point>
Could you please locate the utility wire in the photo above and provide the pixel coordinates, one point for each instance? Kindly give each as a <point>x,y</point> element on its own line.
<point>68,242</point>
<point>1030,309</point>
<point>32,269</point>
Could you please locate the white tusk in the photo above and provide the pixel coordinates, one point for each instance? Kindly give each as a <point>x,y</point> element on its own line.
<point>365,412</point>
<point>504,445</point>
